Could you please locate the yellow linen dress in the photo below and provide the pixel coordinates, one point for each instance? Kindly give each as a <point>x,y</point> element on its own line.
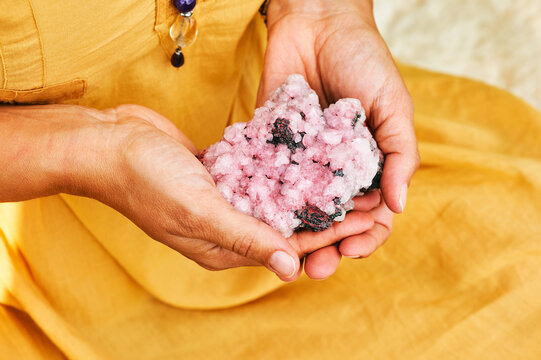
<point>459,278</point>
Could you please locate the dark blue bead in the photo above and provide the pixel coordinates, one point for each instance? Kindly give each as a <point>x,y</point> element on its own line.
<point>184,6</point>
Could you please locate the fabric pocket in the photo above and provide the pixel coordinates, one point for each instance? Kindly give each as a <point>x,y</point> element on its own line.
<point>73,89</point>
<point>23,67</point>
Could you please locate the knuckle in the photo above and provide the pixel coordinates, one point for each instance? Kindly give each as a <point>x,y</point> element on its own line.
<point>373,240</point>
<point>384,237</point>
<point>243,245</point>
<point>416,160</point>
<point>388,228</point>
<point>213,263</point>
<point>221,259</point>
<point>381,237</point>
<point>208,266</point>
<point>374,244</point>
<point>187,224</point>
<point>202,260</point>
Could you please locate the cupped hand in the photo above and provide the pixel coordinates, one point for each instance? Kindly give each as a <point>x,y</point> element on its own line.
<point>338,49</point>
<point>157,182</point>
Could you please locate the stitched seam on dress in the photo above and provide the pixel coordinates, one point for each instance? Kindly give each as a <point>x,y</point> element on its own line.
<point>157,16</point>
<point>44,75</point>
<point>4,70</point>
<point>161,17</point>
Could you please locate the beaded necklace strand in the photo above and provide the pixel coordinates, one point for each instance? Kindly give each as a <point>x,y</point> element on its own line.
<point>184,29</point>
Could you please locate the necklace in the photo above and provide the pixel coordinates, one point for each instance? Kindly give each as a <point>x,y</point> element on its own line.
<point>184,29</point>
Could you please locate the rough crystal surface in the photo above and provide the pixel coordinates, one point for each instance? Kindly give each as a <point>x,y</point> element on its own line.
<point>293,165</point>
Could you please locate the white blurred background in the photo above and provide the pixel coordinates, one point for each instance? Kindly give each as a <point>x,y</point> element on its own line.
<point>495,41</point>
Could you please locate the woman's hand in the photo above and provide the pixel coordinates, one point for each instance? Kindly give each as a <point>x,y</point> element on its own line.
<point>337,47</point>
<point>136,161</point>
<point>166,191</point>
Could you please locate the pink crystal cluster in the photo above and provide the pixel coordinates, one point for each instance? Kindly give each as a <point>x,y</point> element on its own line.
<point>293,165</point>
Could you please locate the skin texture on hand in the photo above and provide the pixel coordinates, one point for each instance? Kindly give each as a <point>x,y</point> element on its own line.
<point>44,145</point>
<point>136,161</point>
<point>336,46</point>
<point>165,178</point>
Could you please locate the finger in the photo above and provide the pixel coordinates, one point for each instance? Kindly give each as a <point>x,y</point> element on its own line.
<point>364,244</point>
<point>367,201</point>
<point>282,58</point>
<point>278,65</point>
<point>395,135</point>
<point>246,236</point>
<point>214,257</point>
<point>299,272</point>
<point>219,258</point>
<point>355,222</point>
<point>389,110</point>
<point>207,254</point>
<point>275,73</point>
<point>322,263</point>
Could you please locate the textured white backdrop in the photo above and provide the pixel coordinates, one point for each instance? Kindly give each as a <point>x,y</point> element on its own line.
<point>495,41</point>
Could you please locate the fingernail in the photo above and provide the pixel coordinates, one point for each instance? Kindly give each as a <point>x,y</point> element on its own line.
<point>403,197</point>
<point>282,264</point>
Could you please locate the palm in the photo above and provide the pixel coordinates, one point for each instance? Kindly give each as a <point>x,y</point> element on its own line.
<point>173,183</point>
<point>195,186</point>
<point>343,61</point>
<point>349,62</point>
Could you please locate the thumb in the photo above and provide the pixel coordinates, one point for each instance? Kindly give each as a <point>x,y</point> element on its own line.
<point>253,239</point>
<point>281,60</point>
<point>270,80</point>
<point>395,136</point>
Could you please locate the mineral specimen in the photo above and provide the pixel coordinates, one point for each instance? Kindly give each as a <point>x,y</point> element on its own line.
<point>293,165</point>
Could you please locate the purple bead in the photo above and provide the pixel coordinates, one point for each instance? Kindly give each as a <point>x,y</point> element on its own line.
<point>184,6</point>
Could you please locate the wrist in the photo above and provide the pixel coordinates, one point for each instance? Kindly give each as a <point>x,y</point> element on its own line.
<point>319,8</point>
<point>89,158</point>
<point>49,149</point>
